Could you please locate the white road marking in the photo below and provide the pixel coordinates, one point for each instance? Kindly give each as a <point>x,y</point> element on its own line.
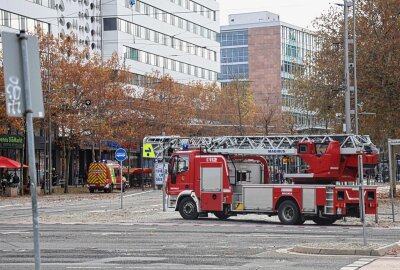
<point>13,232</point>
<point>358,264</point>
<point>110,233</point>
<point>7,205</point>
<point>134,194</point>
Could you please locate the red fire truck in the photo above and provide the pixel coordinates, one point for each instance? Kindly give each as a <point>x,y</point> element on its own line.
<point>297,178</point>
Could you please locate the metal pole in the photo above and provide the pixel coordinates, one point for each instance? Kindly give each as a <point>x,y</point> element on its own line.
<point>120,182</point>
<point>141,165</point>
<point>355,68</point>
<point>50,164</point>
<point>346,70</point>
<point>391,178</point>
<point>163,175</point>
<point>361,191</point>
<point>50,149</point>
<point>31,145</point>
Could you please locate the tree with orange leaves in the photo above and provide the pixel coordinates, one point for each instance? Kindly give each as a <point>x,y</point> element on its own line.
<point>84,94</point>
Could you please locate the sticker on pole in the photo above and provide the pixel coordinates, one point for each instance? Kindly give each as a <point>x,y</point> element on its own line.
<point>120,154</point>
<point>148,151</point>
<point>14,81</point>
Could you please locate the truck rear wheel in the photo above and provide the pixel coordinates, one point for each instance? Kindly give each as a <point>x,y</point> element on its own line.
<point>324,221</point>
<point>91,190</point>
<point>288,213</point>
<point>221,215</point>
<point>188,209</point>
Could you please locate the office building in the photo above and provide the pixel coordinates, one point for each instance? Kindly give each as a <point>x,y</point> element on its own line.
<point>176,37</point>
<point>261,49</point>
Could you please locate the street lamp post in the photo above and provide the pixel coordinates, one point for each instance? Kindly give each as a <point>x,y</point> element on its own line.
<point>346,70</point>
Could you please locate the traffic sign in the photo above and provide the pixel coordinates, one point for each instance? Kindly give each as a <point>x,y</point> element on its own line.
<point>120,154</point>
<point>14,80</point>
<point>160,176</point>
<point>132,2</point>
<point>394,142</point>
<point>148,151</point>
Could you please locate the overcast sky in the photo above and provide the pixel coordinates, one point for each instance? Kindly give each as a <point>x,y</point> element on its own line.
<point>296,12</point>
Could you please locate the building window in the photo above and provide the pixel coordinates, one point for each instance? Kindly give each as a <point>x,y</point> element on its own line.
<point>132,54</point>
<point>161,38</point>
<point>160,61</point>
<point>171,19</point>
<point>110,24</point>
<point>19,22</point>
<point>234,38</point>
<point>234,72</point>
<point>232,55</point>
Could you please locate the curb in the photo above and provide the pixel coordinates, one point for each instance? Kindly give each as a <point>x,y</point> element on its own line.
<point>382,251</point>
<point>334,251</point>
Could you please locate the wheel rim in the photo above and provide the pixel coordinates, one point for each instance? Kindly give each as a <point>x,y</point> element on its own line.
<point>188,209</point>
<point>288,213</point>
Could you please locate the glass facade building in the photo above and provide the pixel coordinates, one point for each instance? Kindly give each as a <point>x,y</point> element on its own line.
<point>234,56</point>
<point>259,48</point>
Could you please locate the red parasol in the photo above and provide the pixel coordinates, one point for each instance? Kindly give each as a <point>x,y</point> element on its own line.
<point>137,170</point>
<point>10,164</point>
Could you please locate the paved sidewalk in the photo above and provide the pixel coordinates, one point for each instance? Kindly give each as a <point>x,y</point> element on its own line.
<point>386,263</point>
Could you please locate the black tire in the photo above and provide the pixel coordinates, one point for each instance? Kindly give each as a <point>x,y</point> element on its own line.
<point>188,208</point>
<point>301,220</point>
<point>221,215</point>
<point>91,190</point>
<point>288,213</point>
<point>324,221</point>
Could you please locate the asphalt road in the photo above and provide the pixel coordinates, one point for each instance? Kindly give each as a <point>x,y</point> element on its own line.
<point>94,233</point>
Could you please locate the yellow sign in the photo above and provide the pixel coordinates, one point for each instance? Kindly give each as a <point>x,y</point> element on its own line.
<point>148,151</point>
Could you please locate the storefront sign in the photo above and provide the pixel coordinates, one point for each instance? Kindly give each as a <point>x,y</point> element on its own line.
<point>11,141</point>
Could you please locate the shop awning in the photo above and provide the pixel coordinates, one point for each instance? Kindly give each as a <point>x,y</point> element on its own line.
<point>10,163</point>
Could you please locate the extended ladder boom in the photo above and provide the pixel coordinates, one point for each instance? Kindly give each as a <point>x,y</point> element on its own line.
<point>258,145</point>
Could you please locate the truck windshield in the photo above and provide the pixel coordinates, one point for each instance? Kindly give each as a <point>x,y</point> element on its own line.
<point>181,164</point>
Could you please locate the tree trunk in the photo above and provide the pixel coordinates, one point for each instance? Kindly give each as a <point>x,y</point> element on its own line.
<point>67,157</point>
<point>393,179</point>
<point>238,96</point>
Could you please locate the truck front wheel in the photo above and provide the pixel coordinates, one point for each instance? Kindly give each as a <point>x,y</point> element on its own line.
<point>188,209</point>
<point>288,213</point>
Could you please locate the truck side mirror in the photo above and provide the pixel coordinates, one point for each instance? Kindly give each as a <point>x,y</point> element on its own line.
<point>169,168</point>
<point>173,178</point>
